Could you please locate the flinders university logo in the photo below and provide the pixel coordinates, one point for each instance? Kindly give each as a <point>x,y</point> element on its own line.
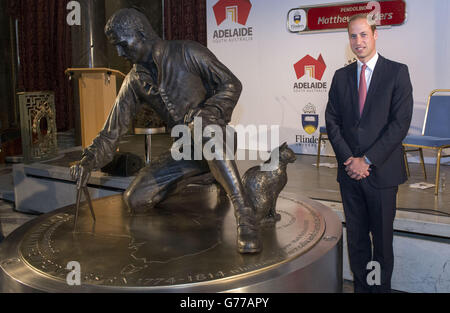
<point>230,16</point>
<point>310,123</point>
<point>297,20</point>
<point>310,120</point>
<point>311,71</point>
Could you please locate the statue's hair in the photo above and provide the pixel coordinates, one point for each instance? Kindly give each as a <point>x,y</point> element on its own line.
<point>126,21</point>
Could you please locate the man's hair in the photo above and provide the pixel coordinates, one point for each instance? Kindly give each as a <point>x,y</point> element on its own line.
<point>129,21</point>
<point>365,16</point>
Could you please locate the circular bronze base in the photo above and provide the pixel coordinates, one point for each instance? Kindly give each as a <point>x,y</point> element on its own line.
<point>179,247</point>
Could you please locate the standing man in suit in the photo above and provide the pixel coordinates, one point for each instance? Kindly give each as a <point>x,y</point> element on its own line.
<point>368,115</point>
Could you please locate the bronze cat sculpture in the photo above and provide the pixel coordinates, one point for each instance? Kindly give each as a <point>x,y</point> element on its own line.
<point>264,187</point>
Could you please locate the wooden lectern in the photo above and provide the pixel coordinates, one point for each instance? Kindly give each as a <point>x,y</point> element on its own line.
<point>97,87</point>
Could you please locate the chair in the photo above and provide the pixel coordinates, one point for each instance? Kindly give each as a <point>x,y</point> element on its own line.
<point>323,135</point>
<point>148,132</point>
<point>435,132</point>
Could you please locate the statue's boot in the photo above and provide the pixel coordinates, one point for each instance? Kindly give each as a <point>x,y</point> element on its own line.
<point>248,237</point>
<point>225,171</point>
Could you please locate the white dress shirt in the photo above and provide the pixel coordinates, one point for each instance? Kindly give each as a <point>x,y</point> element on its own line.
<point>369,69</point>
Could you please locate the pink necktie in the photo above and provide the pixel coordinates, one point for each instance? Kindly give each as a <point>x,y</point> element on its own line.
<point>362,91</point>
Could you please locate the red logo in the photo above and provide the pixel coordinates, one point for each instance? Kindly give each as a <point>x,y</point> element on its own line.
<point>236,10</point>
<point>315,68</point>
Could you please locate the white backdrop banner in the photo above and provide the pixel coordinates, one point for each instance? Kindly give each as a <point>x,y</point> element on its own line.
<point>286,76</point>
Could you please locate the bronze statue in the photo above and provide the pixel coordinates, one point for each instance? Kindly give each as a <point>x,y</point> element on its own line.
<point>180,80</point>
<point>264,187</point>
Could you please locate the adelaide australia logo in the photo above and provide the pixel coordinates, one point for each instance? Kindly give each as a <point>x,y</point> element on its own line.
<point>230,14</point>
<point>311,72</point>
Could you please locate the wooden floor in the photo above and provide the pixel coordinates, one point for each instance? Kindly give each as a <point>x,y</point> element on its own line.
<point>303,177</point>
<point>321,183</point>
<point>316,183</point>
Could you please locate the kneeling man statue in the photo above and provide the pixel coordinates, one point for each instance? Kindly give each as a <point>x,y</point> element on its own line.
<point>181,81</point>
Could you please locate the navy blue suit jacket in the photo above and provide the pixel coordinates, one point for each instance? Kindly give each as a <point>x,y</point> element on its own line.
<point>384,123</point>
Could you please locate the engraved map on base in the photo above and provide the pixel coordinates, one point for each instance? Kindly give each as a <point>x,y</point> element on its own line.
<point>174,245</point>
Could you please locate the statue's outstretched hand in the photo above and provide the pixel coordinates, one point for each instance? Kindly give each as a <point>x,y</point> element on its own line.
<point>81,172</point>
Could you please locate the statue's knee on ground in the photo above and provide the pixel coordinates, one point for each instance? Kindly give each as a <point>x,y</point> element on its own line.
<point>139,201</point>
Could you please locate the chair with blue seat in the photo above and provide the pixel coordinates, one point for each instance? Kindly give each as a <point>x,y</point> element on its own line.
<point>435,132</point>
<point>323,135</point>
